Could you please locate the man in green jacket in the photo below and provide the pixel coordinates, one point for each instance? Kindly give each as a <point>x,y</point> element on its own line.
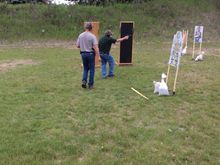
<point>105,44</point>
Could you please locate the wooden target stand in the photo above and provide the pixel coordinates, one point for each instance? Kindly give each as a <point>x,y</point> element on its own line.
<point>125,56</point>
<point>95,31</point>
<point>194,41</point>
<point>185,41</point>
<point>175,56</point>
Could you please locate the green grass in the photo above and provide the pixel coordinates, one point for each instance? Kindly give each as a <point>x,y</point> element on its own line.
<point>158,19</point>
<point>47,118</point>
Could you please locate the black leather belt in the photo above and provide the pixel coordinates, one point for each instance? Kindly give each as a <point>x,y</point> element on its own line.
<point>86,52</point>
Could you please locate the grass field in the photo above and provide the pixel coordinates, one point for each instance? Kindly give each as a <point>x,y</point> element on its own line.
<point>158,19</point>
<point>47,118</point>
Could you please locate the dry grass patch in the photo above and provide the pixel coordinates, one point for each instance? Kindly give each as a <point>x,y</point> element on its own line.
<point>12,64</point>
<point>40,44</point>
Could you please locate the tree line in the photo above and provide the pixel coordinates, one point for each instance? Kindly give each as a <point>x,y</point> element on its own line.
<point>106,2</point>
<point>96,2</point>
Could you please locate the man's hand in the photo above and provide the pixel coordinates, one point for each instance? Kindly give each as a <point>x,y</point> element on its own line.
<point>126,37</point>
<point>122,39</point>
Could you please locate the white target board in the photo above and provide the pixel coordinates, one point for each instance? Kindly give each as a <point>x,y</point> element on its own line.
<point>176,49</point>
<point>198,34</point>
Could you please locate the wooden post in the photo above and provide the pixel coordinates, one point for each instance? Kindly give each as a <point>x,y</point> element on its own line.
<point>168,72</point>
<point>95,31</point>
<point>193,49</point>
<point>140,93</point>
<point>200,47</point>
<point>174,85</point>
<point>184,38</point>
<point>187,32</point>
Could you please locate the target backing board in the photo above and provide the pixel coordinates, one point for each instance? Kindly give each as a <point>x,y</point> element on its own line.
<point>125,56</point>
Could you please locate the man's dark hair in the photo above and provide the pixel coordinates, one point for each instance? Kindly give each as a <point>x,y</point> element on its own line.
<point>88,26</point>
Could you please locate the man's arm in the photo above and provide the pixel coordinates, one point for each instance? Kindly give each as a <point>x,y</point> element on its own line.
<point>96,48</point>
<point>122,39</point>
<point>77,43</point>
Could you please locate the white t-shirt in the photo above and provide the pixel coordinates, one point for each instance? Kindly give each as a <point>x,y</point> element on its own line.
<point>86,41</point>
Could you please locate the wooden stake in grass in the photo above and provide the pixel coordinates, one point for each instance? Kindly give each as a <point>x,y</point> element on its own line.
<point>193,49</point>
<point>139,93</point>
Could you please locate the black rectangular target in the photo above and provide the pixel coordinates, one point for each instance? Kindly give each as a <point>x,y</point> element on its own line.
<point>127,28</point>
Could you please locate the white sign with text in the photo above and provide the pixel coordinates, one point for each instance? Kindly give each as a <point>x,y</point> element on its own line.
<point>198,34</point>
<point>176,49</point>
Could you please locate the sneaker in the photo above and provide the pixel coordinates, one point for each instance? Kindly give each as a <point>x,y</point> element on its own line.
<point>91,87</point>
<point>111,75</point>
<point>83,84</point>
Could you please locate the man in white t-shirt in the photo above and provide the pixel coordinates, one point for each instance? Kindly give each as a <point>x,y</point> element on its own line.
<point>88,45</point>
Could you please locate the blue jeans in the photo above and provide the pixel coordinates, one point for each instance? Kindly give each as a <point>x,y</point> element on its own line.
<point>88,59</point>
<point>107,58</point>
